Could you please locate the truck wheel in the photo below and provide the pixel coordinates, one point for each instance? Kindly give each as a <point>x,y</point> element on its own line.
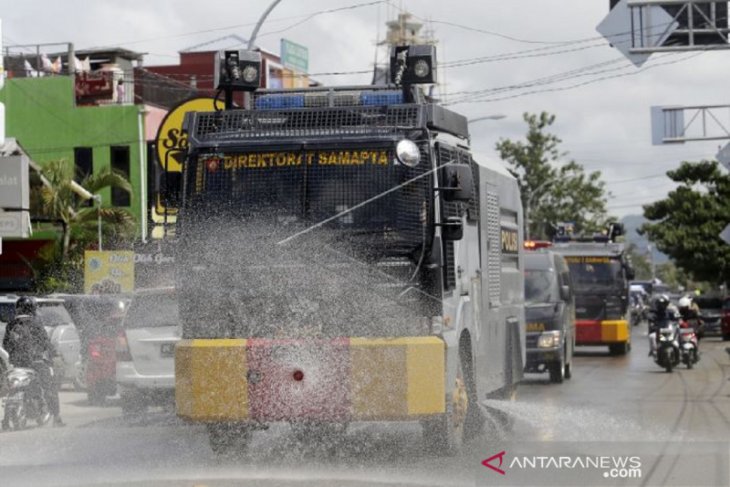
<point>726,337</point>
<point>568,365</point>
<point>445,434</point>
<point>557,372</point>
<point>619,348</point>
<point>228,439</point>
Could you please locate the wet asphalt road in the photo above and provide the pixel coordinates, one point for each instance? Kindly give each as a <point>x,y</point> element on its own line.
<point>610,399</point>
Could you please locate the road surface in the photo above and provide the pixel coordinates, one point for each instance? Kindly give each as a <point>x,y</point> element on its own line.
<point>628,400</point>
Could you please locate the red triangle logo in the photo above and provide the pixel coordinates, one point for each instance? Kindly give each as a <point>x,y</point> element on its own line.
<point>487,463</point>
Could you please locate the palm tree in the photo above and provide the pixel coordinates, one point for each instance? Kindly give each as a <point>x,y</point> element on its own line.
<point>59,200</point>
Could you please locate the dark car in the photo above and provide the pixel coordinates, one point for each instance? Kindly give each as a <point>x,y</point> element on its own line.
<point>711,312</point>
<point>549,315</point>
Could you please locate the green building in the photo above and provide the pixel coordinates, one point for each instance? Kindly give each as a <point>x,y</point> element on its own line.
<point>90,117</point>
<point>42,114</point>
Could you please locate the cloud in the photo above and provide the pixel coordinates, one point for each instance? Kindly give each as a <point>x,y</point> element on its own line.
<point>604,125</point>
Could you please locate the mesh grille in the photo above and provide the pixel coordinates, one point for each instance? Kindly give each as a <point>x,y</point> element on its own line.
<point>448,154</point>
<point>494,258</point>
<point>473,209</point>
<point>450,268</point>
<point>297,123</point>
<point>309,187</point>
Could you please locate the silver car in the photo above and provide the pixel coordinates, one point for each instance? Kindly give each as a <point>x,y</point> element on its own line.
<point>146,350</point>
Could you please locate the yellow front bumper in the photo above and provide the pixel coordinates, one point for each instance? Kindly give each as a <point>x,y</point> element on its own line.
<point>348,379</point>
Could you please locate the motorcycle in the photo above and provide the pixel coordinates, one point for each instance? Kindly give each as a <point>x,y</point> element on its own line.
<point>637,314</point>
<point>25,401</point>
<point>667,352</point>
<point>688,344</point>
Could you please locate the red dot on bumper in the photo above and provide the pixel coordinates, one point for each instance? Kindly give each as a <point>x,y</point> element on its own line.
<point>298,375</point>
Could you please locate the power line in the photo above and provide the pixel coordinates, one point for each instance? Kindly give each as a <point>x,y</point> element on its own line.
<point>640,178</point>
<point>251,24</point>
<point>574,86</point>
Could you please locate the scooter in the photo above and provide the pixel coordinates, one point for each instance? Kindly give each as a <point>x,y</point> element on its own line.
<point>688,344</point>
<point>636,314</point>
<point>667,352</point>
<point>24,401</point>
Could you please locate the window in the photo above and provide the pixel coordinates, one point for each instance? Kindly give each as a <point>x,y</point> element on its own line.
<point>120,163</point>
<point>83,163</point>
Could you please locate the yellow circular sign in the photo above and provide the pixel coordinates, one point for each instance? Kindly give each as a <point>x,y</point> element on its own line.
<point>172,143</point>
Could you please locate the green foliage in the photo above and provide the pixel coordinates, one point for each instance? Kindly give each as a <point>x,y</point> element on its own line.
<point>553,192</point>
<point>687,223</point>
<point>61,266</point>
<point>640,262</point>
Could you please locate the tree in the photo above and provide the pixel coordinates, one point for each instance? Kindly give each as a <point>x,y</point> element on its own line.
<point>553,192</point>
<point>640,263</point>
<point>687,223</point>
<point>56,200</point>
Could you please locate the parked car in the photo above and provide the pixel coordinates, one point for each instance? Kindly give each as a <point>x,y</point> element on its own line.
<point>711,311</point>
<point>60,328</point>
<point>98,318</point>
<point>549,315</point>
<point>146,350</point>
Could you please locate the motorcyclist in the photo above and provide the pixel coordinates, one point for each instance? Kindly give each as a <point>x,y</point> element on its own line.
<point>29,346</point>
<point>660,312</point>
<point>690,312</point>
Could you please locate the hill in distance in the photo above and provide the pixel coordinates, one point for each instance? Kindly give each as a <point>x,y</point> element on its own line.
<point>631,224</point>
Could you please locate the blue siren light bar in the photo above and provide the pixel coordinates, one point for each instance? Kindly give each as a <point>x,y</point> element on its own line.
<point>278,102</point>
<point>282,101</point>
<point>381,98</point>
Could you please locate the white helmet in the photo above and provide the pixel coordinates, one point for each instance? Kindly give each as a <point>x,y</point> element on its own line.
<point>684,302</point>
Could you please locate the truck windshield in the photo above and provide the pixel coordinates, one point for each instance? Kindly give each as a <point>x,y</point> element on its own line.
<point>303,188</point>
<point>539,286</point>
<point>595,272</point>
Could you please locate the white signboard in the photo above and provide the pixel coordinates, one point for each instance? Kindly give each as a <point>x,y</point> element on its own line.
<point>14,196</point>
<point>627,28</point>
<point>15,224</point>
<point>667,125</point>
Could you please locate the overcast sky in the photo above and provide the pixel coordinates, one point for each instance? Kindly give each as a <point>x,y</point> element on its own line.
<point>604,123</point>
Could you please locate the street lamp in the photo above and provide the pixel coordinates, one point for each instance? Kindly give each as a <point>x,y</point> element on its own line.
<point>252,39</point>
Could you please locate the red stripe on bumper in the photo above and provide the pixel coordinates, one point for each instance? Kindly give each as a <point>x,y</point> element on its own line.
<point>587,331</point>
<point>307,379</point>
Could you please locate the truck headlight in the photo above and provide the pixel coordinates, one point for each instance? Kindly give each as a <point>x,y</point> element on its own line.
<point>407,153</point>
<point>549,339</point>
